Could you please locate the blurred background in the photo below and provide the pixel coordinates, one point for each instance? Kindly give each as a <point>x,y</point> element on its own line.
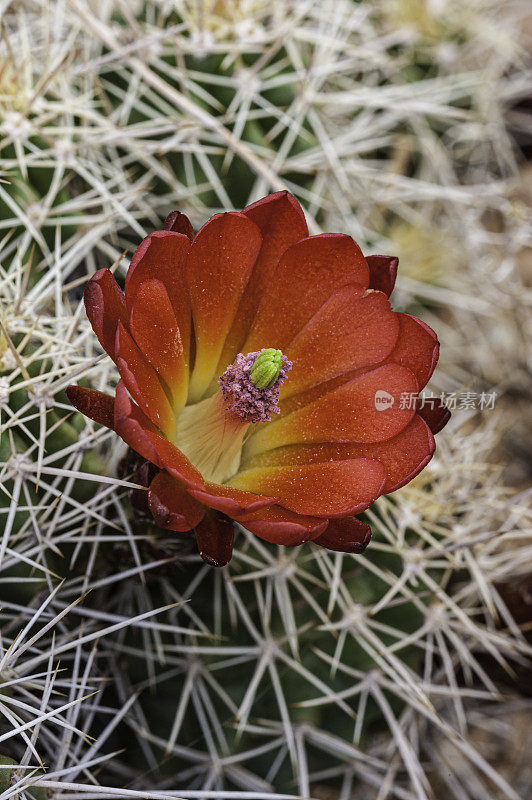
<point>128,668</point>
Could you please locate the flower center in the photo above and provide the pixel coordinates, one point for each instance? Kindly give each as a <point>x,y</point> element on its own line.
<point>250,386</point>
<point>211,433</point>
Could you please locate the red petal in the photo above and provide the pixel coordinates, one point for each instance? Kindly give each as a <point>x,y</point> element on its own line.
<point>347,535</point>
<point>352,329</point>
<point>281,221</point>
<point>143,383</point>
<point>435,413</point>
<point>133,425</point>
<point>345,414</point>
<point>232,502</point>
<point>382,273</point>
<point>303,279</point>
<point>162,256</point>
<point>154,328</point>
<point>106,307</point>
<point>403,457</point>
<point>331,489</point>
<point>279,217</point>
<point>171,505</point>
<point>281,526</point>
<point>96,405</point>
<point>214,537</point>
<point>179,223</point>
<point>218,268</point>
<point>417,348</point>
<point>175,462</point>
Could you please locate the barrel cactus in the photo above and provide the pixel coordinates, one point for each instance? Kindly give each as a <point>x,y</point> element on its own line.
<point>128,666</point>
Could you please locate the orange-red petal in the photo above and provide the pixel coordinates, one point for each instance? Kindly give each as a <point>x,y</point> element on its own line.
<point>214,538</point>
<point>171,505</point>
<point>106,307</point>
<point>382,273</point>
<point>218,267</point>
<point>331,489</point>
<point>303,279</point>
<point>417,348</point>
<point>133,426</point>
<point>143,383</point>
<point>179,223</point>
<point>175,462</point>
<point>96,405</point>
<point>353,329</point>
<point>281,222</point>
<point>155,330</point>
<point>348,413</point>
<point>162,256</point>
<point>278,525</point>
<point>403,456</point>
<point>434,412</point>
<point>280,219</point>
<point>230,501</point>
<point>347,535</point>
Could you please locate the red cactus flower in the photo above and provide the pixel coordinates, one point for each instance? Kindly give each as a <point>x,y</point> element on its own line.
<point>264,375</point>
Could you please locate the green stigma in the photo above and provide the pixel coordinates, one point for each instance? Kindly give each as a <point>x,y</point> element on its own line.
<point>266,368</point>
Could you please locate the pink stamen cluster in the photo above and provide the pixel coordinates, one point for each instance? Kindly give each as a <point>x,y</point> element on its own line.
<point>247,401</point>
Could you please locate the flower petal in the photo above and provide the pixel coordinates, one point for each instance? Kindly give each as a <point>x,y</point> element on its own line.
<point>278,525</point>
<point>218,267</point>
<point>403,456</point>
<point>214,538</point>
<point>230,501</point>
<point>347,535</point>
<point>162,255</point>
<point>175,462</point>
<point>305,276</point>
<point>436,414</point>
<point>154,328</point>
<point>96,405</point>
<point>382,273</point>
<point>143,383</point>
<point>331,489</point>
<point>353,329</point>
<point>179,223</point>
<point>417,348</point>
<point>281,222</point>
<point>279,218</point>
<point>133,426</point>
<point>171,505</point>
<point>106,307</point>
<point>348,413</point>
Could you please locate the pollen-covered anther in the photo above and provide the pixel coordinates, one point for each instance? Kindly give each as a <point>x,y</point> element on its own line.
<point>250,386</point>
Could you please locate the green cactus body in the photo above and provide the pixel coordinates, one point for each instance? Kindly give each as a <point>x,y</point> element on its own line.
<point>9,775</point>
<point>20,582</point>
<point>27,192</point>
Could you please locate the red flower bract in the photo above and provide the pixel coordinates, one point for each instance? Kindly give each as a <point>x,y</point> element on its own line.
<point>201,309</point>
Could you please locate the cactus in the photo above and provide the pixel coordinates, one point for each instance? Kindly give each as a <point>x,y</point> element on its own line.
<point>9,777</point>
<point>299,672</point>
